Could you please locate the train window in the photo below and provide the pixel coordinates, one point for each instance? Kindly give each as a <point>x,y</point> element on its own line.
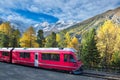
<point>22,55</point>
<point>68,58</point>
<point>46,56</point>
<point>25,55</point>
<point>54,57</point>
<point>5,53</point>
<point>72,58</point>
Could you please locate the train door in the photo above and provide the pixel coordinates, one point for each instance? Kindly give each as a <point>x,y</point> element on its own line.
<point>36,60</point>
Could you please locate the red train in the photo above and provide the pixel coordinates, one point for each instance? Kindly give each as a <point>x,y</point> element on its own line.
<point>50,58</point>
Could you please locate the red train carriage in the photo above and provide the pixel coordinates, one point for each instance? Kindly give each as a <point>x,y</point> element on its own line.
<point>50,58</point>
<point>23,56</point>
<point>5,54</point>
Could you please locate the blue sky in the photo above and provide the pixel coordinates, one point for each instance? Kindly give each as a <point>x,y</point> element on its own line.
<point>37,11</point>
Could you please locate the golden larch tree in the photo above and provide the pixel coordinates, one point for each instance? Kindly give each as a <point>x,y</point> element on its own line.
<point>106,40</point>
<point>74,43</point>
<point>67,39</point>
<point>6,28</point>
<point>29,38</point>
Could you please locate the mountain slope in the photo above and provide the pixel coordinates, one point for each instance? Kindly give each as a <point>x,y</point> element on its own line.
<point>95,22</point>
<point>54,27</point>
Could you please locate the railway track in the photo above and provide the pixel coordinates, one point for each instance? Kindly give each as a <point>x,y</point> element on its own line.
<point>107,77</point>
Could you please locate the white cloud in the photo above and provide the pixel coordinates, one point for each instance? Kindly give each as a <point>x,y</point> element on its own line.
<point>19,18</point>
<point>33,8</point>
<point>63,9</point>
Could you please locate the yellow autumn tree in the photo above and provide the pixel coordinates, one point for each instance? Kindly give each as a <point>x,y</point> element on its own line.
<point>60,39</point>
<point>117,41</point>
<point>29,38</point>
<point>67,40</point>
<point>6,28</point>
<point>57,37</point>
<point>74,43</point>
<point>106,40</point>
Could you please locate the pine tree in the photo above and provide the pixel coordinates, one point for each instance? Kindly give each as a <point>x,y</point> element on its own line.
<point>4,40</point>
<point>40,38</point>
<point>51,40</point>
<point>15,38</point>
<point>90,55</point>
<point>116,59</point>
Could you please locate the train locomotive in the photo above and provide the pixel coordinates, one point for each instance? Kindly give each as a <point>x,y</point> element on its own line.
<point>50,58</point>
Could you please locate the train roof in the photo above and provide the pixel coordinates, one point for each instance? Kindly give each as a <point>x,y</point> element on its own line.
<point>5,49</point>
<point>54,49</point>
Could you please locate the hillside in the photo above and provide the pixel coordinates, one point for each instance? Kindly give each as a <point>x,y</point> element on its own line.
<point>95,22</point>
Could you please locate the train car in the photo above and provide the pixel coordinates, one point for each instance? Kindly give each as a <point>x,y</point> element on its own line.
<point>5,54</point>
<point>50,58</point>
<point>23,56</point>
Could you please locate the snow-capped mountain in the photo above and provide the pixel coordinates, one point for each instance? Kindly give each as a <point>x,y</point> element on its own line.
<point>54,27</point>
<point>43,26</point>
